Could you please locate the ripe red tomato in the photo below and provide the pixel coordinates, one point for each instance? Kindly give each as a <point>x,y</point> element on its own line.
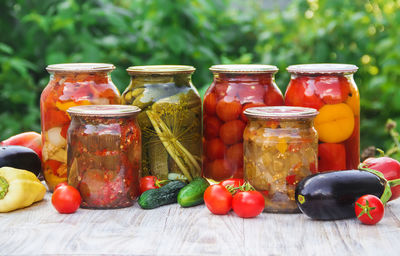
<point>66,199</point>
<point>61,184</point>
<point>211,127</point>
<point>149,182</point>
<point>273,97</point>
<point>332,89</point>
<point>228,109</point>
<point>219,169</point>
<point>301,92</point>
<point>369,209</point>
<point>389,167</point>
<point>331,157</point>
<point>248,204</point>
<point>210,102</point>
<point>218,199</point>
<point>215,149</point>
<point>32,140</point>
<point>232,132</point>
<point>235,155</point>
<point>232,182</point>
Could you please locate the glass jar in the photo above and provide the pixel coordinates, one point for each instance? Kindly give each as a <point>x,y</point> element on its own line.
<point>104,153</point>
<point>234,89</point>
<point>280,148</point>
<point>170,120</point>
<point>330,88</point>
<point>70,85</point>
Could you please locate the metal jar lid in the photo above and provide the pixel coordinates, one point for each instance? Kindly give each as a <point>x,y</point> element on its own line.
<point>160,69</point>
<point>322,68</point>
<point>281,112</point>
<point>80,67</point>
<point>104,110</point>
<point>244,68</point>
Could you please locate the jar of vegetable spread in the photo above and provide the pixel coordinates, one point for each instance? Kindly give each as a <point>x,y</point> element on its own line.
<point>280,148</point>
<point>70,85</point>
<point>330,88</point>
<point>234,89</point>
<point>170,120</point>
<point>104,152</point>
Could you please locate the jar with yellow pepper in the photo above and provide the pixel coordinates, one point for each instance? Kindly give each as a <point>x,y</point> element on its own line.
<point>70,85</point>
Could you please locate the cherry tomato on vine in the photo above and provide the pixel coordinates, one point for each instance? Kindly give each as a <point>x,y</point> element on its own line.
<point>66,199</point>
<point>369,209</point>
<point>232,182</point>
<point>248,204</point>
<point>150,182</point>
<point>218,199</point>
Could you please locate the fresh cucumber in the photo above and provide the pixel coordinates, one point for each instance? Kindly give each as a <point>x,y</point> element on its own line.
<point>192,194</point>
<point>167,194</point>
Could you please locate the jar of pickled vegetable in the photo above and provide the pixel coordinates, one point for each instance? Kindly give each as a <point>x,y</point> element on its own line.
<point>234,89</point>
<point>330,88</point>
<point>104,152</point>
<point>280,148</point>
<point>170,120</point>
<point>70,85</point>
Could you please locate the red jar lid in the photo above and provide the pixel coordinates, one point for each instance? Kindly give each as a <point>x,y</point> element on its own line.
<point>281,112</point>
<point>80,67</point>
<point>104,110</point>
<point>323,68</point>
<point>244,68</point>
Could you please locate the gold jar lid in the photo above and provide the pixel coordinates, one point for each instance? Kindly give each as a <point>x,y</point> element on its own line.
<point>322,68</point>
<point>80,67</point>
<point>104,110</point>
<point>281,112</point>
<point>160,69</point>
<point>244,68</point>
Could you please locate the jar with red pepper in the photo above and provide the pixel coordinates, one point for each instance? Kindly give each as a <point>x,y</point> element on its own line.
<point>234,89</point>
<point>70,85</point>
<point>330,88</point>
<point>104,155</point>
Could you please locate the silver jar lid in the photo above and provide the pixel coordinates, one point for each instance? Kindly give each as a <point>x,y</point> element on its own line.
<point>80,67</point>
<point>104,110</point>
<point>281,112</point>
<point>244,68</point>
<point>160,69</point>
<point>323,68</point>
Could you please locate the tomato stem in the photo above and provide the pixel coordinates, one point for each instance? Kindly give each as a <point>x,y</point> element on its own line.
<point>366,209</point>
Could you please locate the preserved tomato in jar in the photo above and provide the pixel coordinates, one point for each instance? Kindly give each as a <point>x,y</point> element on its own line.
<point>104,155</point>
<point>70,85</point>
<point>235,88</point>
<point>170,120</point>
<point>330,88</point>
<point>280,149</point>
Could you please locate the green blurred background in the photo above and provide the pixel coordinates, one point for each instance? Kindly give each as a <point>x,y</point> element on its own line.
<point>201,33</point>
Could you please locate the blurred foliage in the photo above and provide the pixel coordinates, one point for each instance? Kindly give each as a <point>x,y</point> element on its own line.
<point>200,33</point>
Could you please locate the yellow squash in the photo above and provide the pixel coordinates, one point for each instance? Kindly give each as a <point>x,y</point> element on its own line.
<point>19,189</point>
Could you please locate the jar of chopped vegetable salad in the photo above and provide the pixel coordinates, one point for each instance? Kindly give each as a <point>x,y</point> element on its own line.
<point>104,152</point>
<point>170,120</point>
<point>70,85</point>
<point>280,148</point>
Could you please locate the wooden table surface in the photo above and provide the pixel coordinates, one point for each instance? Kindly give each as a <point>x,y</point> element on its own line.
<point>172,230</point>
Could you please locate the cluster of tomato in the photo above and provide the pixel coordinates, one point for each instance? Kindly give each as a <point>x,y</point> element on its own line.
<point>337,100</point>
<point>234,194</point>
<point>224,121</point>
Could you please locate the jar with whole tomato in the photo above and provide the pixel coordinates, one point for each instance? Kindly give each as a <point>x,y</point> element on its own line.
<point>70,85</point>
<point>235,88</point>
<point>280,149</point>
<point>104,153</point>
<point>170,120</point>
<point>330,88</point>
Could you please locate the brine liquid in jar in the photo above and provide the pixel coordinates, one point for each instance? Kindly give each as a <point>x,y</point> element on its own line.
<point>104,155</point>
<point>330,88</point>
<point>280,149</point>
<point>235,88</point>
<point>72,84</point>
